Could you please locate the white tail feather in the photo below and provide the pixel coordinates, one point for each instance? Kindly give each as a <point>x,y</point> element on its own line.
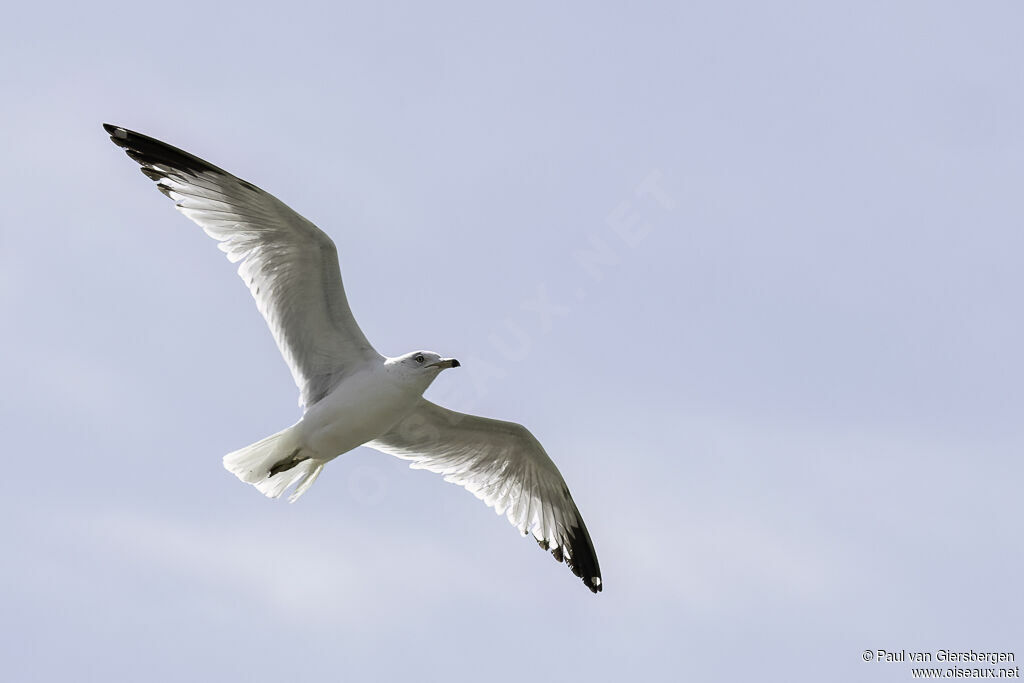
<point>253,463</point>
<point>312,471</point>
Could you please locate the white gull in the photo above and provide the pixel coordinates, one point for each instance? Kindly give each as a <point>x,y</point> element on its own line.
<point>351,394</point>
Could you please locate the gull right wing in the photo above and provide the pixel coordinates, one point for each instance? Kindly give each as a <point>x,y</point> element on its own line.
<point>289,265</point>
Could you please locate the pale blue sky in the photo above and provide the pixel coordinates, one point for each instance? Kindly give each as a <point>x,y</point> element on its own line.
<point>789,406</point>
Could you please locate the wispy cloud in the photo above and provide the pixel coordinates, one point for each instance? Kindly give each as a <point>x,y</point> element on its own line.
<point>300,573</point>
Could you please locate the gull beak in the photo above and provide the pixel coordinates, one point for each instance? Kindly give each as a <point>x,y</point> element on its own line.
<point>445,363</point>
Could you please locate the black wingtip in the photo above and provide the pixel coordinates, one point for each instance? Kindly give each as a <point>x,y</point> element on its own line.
<point>150,152</point>
<point>581,557</point>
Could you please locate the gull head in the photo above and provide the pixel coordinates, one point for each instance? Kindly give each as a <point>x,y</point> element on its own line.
<point>422,365</point>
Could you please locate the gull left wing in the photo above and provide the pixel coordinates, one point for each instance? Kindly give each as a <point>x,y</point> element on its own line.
<point>502,464</point>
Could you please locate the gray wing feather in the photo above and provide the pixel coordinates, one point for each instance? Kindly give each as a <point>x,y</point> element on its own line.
<point>289,265</point>
<point>502,464</point>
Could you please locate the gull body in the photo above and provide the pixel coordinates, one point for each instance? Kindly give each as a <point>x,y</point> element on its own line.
<point>362,407</point>
<point>351,394</point>
<point>365,406</point>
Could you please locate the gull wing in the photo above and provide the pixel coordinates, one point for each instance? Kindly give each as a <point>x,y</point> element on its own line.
<point>289,265</point>
<point>502,464</point>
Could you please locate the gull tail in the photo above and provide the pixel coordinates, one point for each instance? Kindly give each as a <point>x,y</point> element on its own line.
<point>274,464</point>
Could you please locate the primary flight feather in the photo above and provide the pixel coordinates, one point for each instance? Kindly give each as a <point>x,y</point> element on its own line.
<point>350,393</point>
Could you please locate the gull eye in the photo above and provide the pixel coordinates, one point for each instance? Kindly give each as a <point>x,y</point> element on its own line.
<point>419,358</point>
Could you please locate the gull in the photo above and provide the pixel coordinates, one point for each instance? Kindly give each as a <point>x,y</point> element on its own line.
<point>352,395</point>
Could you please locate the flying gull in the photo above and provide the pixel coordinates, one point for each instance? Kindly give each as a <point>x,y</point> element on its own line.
<point>351,394</point>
